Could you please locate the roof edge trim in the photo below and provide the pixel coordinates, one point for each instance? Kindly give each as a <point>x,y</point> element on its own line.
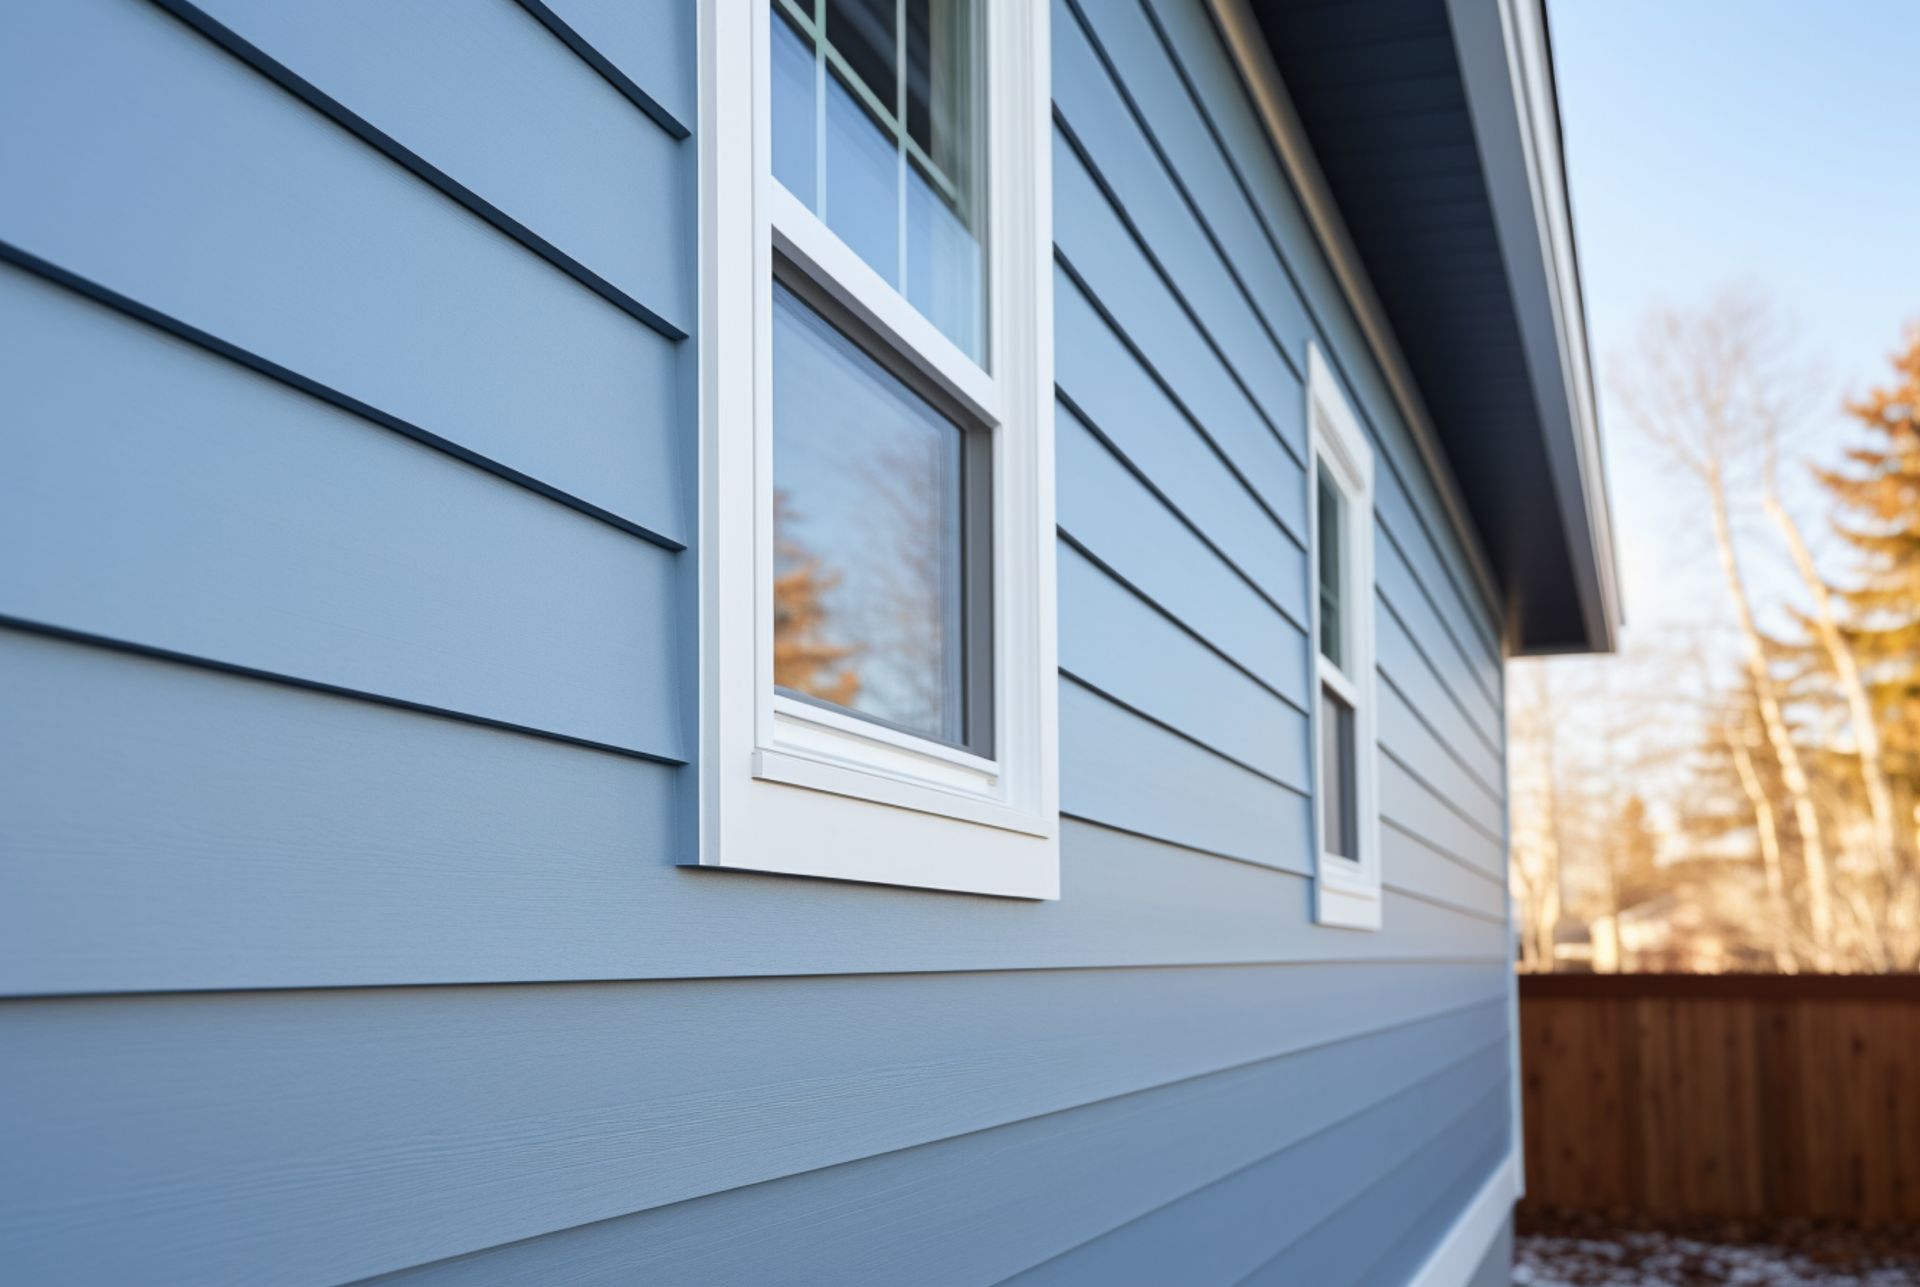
<point>1506,67</point>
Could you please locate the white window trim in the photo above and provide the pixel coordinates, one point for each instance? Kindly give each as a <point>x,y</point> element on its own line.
<point>787,786</point>
<point>1346,890</point>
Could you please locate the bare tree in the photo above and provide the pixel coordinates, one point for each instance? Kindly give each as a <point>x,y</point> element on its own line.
<point>1699,377</point>
<point>1777,395</point>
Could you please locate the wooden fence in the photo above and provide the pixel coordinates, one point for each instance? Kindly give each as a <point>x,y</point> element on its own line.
<point>1723,1095</point>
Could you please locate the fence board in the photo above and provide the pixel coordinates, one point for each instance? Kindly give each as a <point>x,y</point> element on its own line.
<point>1758,1096</point>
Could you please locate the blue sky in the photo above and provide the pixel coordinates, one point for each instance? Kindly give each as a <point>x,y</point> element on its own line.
<point>1764,143</point>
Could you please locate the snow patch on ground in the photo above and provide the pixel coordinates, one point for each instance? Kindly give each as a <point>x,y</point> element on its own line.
<point>1653,1259</point>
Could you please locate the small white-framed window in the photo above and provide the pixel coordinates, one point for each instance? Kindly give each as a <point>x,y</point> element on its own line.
<point>1340,517</point>
<point>877,637</point>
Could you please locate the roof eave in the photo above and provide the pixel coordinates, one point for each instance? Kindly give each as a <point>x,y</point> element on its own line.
<point>1507,69</point>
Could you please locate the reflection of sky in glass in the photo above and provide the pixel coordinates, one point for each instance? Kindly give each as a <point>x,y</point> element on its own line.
<point>792,72</point>
<point>867,477</point>
<point>903,198</point>
<point>863,175</point>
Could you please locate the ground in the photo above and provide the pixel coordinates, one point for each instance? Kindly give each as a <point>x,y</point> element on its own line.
<point>1592,1252</point>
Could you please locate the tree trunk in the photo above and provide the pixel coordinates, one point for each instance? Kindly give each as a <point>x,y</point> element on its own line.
<point>1792,774</point>
<point>1610,846</point>
<point>1866,731</point>
<point>1763,821</point>
<point>1534,848</point>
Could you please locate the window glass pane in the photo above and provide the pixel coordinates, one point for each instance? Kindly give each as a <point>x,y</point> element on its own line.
<point>943,264</point>
<point>1332,525</point>
<point>862,165</point>
<point>895,164</point>
<point>863,32</point>
<point>794,121</point>
<point>868,542</point>
<point>1339,825</point>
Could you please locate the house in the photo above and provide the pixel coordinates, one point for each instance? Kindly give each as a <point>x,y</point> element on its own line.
<point>798,642</point>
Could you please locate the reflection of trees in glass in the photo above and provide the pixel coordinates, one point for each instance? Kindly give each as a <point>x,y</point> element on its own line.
<point>867,525</point>
<point>909,596</point>
<point>804,657</point>
<point>890,598</point>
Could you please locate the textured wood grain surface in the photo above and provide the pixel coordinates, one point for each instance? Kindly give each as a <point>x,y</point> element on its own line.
<point>1728,1095</point>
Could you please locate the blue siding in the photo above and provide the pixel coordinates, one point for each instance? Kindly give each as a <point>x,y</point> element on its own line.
<point>944,1213</point>
<point>347,427</point>
<point>564,155</point>
<point>281,534</point>
<point>280,232</point>
<point>1288,1203</point>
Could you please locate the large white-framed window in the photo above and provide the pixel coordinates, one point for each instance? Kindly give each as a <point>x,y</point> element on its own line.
<point>1340,517</point>
<point>877,638</point>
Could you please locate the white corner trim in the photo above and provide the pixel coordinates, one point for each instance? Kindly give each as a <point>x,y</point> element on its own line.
<point>1247,47</point>
<point>1465,1244</point>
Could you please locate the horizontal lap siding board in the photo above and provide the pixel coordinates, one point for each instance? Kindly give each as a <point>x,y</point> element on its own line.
<point>1115,642</point>
<point>1099,250</point>
<point>1403,592</point>
<point>1404,661</point>
<point>253,835</point>
<point>354,1132</point>
<point>1114,515</point>
<point>277,231</point>
<point>1093,70</point>
<point>188,504</point>
<point>1227,1230</point>
<point>565,154</point>
<point>1426,1192</point>
<point>1121,770</point>
<point>649,47</point>
<point>1426,872</point>
<point>1410,805</point>
<point>1108,143</point>
<point>1112,393</point>
<point>1044,1185</point>
<point>1406,737</point>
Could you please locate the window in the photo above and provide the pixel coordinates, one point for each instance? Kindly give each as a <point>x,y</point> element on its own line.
<point>877,697</point>
<point>1348,877</point>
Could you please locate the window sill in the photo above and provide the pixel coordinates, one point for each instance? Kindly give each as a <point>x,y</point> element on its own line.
<point>1345,898</point>
<point>859,784</point>
<point>796,817</point>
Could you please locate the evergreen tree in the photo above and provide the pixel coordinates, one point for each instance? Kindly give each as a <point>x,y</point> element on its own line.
<point>1879,501</point>
<point>1634,849</point>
